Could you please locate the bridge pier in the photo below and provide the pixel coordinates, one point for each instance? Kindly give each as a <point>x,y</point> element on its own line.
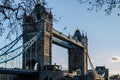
<point>76,59</point>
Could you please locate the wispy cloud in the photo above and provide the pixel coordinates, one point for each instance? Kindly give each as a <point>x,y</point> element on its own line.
<point>115,58</point>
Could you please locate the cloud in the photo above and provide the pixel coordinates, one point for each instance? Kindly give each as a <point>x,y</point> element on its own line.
<point>115,59</point>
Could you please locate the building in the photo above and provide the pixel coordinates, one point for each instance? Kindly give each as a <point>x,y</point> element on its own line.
<point>115,77</point>
<point>103,72</point>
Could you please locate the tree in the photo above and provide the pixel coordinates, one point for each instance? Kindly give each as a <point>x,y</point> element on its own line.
<point>106,5</point>
<point>11,14</point>
<point>12,11</point>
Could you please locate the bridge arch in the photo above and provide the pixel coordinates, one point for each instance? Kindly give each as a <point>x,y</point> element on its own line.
<point>30,64</point>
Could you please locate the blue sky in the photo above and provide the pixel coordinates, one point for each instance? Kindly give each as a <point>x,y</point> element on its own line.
<point>102,30</point>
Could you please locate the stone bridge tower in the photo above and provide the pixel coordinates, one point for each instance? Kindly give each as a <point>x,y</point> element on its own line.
<point>40,53</point>
<point>78,55</point>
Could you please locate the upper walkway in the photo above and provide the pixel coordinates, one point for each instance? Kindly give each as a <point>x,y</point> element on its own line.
<point>63,37</point>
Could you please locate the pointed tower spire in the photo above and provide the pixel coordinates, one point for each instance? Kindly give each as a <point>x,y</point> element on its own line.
<point>77,35</point>
<point>82,33</point>
<point>85,34</point>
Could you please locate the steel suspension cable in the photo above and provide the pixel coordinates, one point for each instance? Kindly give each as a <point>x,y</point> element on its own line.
<point>95,73</point>
<point>12,45</point>
<point>26,46</point>
<point>11,42</point>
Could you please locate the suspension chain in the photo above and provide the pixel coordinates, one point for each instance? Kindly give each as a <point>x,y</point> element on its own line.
<point>20,50</point>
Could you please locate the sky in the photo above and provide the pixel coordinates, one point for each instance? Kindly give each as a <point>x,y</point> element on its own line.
<point>102,31</point>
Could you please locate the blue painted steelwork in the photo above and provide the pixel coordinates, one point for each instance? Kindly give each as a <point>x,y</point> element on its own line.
<point>62,36</point>
<point>61,43</point>
<point>10,46</point>
<point>8,56</point>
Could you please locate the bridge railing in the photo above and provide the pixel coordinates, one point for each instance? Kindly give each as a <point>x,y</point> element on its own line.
<point>16,71</point>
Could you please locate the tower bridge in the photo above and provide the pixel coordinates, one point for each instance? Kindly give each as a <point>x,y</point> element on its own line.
<point>38,37</point>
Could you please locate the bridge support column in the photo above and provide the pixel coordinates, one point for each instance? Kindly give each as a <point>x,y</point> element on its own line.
<point>40,52</point>
<point>78,58</point>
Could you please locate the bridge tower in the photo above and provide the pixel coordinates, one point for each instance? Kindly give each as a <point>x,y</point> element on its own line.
<point>78,55</point>
<point>40,53</point>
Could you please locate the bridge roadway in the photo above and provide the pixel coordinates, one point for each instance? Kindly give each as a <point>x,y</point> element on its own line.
<point>17,71</point>
<point>63,40</point>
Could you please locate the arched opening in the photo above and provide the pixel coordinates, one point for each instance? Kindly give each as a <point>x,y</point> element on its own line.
<point>30,64</point>
<point>60,57</point>
<point>36,66</point>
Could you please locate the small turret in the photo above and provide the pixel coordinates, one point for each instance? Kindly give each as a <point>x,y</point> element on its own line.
<point>83,37</point>
<point>82,34</point>
<point>37,12</point>
<point>77,36</point>
<point>28,19</point>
